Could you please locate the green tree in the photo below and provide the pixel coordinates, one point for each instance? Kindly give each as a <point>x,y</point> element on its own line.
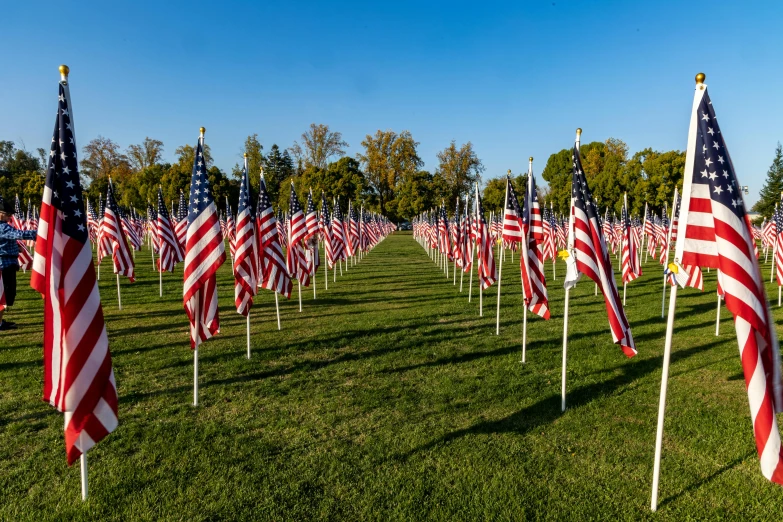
<point>414,194</point>
<point>146,154</point>
<point>387,158</point>
<point>100,157</point>
<point>460,168</point>
<point>277,167</point>
<point>773,186</point>
<point>255,159</point>
<point>494,195</point>
<point>319,143</point>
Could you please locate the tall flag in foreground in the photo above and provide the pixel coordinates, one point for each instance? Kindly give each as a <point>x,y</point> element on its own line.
<point>114,237</point>
<point>592,258</point>
<point>78,374</point>
<point>169,253</point>
<point>245,256</point>
<point>271,263</point>
<point>715,231</point>
<point>205,251</point>
<point>487,270</point>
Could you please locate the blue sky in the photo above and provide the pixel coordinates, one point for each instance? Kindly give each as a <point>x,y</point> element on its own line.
<point>516,79</point>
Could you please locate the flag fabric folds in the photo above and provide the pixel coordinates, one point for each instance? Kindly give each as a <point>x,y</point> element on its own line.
<point>205,251</point>
<point>78,374</point>
<point>487,270</point>
<point>715,231</point>
<point>273,273</point>
<point>592,258</point>
<point>246,255</point>
<point>169,253</point>
<point>114,239</point>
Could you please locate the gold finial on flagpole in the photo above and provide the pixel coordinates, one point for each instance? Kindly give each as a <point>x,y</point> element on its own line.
<point>245,155</point>
<point>202,130</point>
<point>64,70</point>
<point>531,159</point>
<point>700,78</point>
<point>578,131</point>
<point>509,172</point>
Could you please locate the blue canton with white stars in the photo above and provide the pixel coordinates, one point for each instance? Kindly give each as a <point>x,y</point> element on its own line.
<point>244,195</point>
<point>712,164</point>
<point>62,175</point>
<point>200,194</point>
<point>583,197</point>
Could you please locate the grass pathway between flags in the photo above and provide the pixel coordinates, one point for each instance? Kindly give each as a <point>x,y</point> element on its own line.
<point>389,398</point>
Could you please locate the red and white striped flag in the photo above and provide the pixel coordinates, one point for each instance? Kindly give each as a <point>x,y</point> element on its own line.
<point>715,231</point>
<point>487,270</point>
<point>296,261</point>
<point>246,255</point>
<point>181,228</point>
<point>586,241</point>
<point>630,249</point>
<point>531,257</point>
<point>169,253</point>
<point>326,230</point>
<point>113,238</point>
<point>78,374</point>
<point>274,275</point>
<point>205,251</point>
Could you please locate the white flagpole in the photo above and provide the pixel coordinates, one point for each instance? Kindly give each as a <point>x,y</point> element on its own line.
<point>277,308</point>
<point>83,469</point>
<point>570,248</point>
<point>524,329</point>
<point>667,350</point>
<point>195,352</point>
<point>500,271</point>
<point>248,334</point>
<point>152,251</point>
<point>299,285</point>
<point>119,297</point>
<point>326,269</point>
<point>717,319</point>
<point>160,282</point>
<point>470,287</point>
<point>315,270</point>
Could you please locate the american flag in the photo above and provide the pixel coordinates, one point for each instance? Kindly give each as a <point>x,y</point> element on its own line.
<point>326,230</point>
<point>457,243</point>
<point>130,231</point>
<point>296,261</point>
<point>78,374</point>
<point>631,267</point>
<point>281,227</point>
<point>205,251</point>
<point>274,275</point>
<point>512,218</point>
<point>181,227</point>
<point>778,242</point>
<point>169,253</point>
<point>675,218</point>
<point>531,258</point>
<point>311,218</point>
<point>443,231</point>
<point>246,255</point>
<point>23,258</point>
<point>230,231</point>
<point>549,249</point>
<point>338,232</point>
<point>715,232</point>
<point>350,239</point>
<point>664,234</point>
<point>92,222</point>
<point>152,224</point>
<point>487,270</point>
<point>592,258</point>
<point>113,239</point>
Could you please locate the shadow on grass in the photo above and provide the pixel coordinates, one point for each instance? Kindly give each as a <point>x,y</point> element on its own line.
<point>706,480</point>
<point>547,410</point>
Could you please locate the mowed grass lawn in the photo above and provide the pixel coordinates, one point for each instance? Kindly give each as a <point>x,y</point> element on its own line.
<point>389,398</point>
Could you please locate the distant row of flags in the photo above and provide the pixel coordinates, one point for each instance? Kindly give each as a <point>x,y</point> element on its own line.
<point>708,227</point>
<point>78,375</point>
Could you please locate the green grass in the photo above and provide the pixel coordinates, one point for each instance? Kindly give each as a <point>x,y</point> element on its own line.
<point>389,398</point>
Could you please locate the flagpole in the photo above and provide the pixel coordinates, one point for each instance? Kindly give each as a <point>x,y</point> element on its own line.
<point>83,469</point>
<point>315,270</point>
<point>248,333</point>
<point>160,281</point>
<point>689,160</point>
<point>299,284</point>
<point>119,297</point>
<point>277,308</point>
<point>472,246</point>
<point>717,318</point>
<point>500,271</point>
<point>570,248</point>
<point>524,328</point>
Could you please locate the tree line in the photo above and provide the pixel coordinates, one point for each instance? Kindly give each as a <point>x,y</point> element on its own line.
<point>387,176</point>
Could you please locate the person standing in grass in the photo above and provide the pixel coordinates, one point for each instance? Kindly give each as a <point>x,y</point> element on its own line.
<point>9,253</point>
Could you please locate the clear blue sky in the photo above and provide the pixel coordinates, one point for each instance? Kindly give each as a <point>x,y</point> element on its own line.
<point>514,79</point>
